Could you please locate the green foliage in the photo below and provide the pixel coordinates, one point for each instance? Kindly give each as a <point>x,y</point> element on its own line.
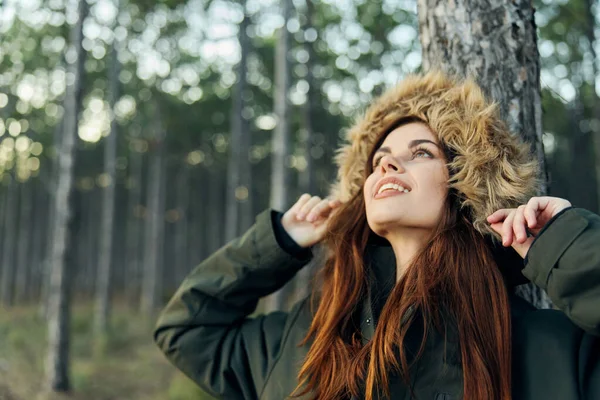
<point>131,366</point>
<point>182,388</point>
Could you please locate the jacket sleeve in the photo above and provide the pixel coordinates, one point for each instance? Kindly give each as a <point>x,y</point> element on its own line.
<point>205,329</point>
<point>564,260</point>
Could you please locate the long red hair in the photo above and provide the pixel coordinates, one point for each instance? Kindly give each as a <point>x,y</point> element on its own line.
<point>454,272</point>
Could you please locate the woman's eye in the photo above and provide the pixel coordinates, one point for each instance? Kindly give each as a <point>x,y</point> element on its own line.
<point>376,162</point>
<point>422,153</point>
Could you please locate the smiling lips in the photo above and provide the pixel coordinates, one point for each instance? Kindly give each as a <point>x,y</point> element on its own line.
<point>390,186</point>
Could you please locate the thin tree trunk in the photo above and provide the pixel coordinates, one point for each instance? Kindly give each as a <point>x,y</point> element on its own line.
<point>170,189</point>
<point>196,241</point>
<point>51,187</point>
<point>495,43</point>
<point>238,155</point>
<point>181,226</point>
<point>590,29</point>
<point>57,361</point>
<point>581,190</point>
<point>280,173</point>
<point>3,195</point>
<point>40,218</point>
<point>154,228</point>
<point>10,233</point>
<point>119,281</point>
<point>22,284</point>
<point>92,245</point>
<point>213,230</point>
<point>134,223</point>
<point>246,212</point>
<point>307,181</point>
<point>103,284</point>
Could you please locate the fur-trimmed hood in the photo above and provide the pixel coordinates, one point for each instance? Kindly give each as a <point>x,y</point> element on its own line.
<point>492,168</point>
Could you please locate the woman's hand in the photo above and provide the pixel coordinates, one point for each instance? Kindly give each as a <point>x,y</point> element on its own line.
<point>306,221</point>
<point>513,224</point>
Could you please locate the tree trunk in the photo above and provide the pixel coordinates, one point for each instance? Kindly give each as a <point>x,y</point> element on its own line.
<point>134,223</point>
<point>582,159</point>
<point>280,173</point>
<point>307,181</point>
<point>196,239</point>
<point>88,243</point>
<point>57,362</point>
<point>40,218</point>
<point>10,233</point>
<point>52,168</point>
<point>181,225</point>
<point>103,284</point>
<point>238,156</point>
<point>155,226</point>
<point>590,29</point>
<point>213,229</point>
<point>22,284</point>
<point>495,43</point>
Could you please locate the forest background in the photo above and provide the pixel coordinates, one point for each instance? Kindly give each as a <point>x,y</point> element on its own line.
<point>178,122</point>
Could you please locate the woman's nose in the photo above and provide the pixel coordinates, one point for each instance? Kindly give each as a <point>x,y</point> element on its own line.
<point>389,163</point>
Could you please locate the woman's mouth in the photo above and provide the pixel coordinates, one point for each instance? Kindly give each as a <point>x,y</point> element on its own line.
<point>389,193</point>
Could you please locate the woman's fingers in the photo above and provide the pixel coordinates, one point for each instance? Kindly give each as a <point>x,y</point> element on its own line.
<point>300,203</point>
<point>312,208</point>
<point>307,207</point>
<point>322,209</point>
<point>531,212</point>
<point>507,229</point>
<point>498,215</point>
<point>518,225</point>
<point>514,224</point>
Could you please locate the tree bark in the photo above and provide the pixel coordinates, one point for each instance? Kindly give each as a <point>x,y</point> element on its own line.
<point>590,30</point>
<point>307,178</point>
<point>182,224</point>
<point>238,156</point>
<point>155,226</point>
<point>582,158</point>
<point>307,181</point>
<point>10,233</point>
<point>197,240</point>
<point>134,224</point>
<point>40,227</point>
<point>88,246</point>
<point>22,284</point>
<point>51,183</point>
<point>215,210</point>
<point>103,284</point>
<point>57,361</point>
<point>280,173</point>
<point>495,43</point>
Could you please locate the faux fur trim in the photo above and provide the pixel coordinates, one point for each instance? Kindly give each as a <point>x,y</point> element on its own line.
<point>492,168</point>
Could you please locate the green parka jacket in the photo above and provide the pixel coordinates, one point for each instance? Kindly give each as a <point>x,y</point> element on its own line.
<point>205,329</point>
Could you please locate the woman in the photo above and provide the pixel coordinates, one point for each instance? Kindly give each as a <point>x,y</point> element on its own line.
<point>415,297</point>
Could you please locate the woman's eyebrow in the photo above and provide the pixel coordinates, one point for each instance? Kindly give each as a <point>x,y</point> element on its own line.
<point>411,144</point>
<point>416,142</point>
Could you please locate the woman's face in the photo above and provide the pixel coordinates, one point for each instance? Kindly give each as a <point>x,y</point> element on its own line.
<point>411,158</point>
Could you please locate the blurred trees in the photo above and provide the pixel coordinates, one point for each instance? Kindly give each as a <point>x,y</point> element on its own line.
<point>57,362</point>
<point>196,130</point>
<point>280,189</point>
<point>237,213</point>
<point>108,199</point>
